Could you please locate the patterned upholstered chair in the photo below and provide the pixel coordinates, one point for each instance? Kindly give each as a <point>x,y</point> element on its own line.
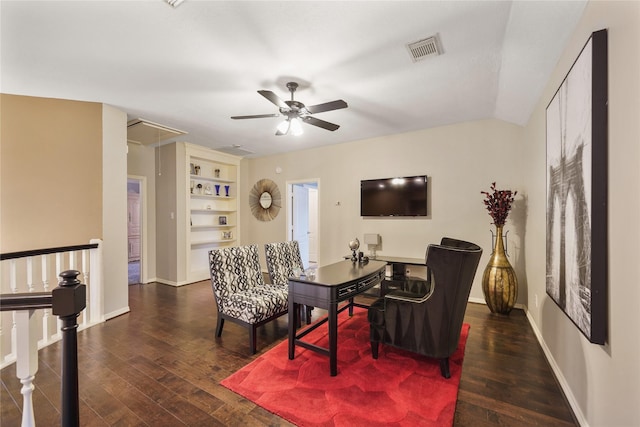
<point>282,258</point>
<point>241,295</point>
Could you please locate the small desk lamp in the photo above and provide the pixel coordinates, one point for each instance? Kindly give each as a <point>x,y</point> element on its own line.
<point>372,240</point>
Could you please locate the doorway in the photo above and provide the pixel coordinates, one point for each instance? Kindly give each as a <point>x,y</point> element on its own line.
<point>135,227</point>
<point>302,219</point>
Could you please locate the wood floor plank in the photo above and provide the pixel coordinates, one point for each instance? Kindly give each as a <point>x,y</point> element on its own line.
<point>161,365</point>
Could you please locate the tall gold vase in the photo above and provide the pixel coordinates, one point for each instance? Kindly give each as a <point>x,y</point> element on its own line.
<point>499,281</point>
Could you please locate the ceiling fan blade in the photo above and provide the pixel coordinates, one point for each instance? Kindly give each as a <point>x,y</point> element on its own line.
<point>275,99</point>
<point>327,106</point>
<point>320,123</point>
<point>256,116</point>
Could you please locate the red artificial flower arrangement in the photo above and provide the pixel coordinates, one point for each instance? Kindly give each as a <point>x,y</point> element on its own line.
<point>498,203</point>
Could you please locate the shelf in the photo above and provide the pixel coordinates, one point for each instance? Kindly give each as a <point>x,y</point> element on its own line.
<point>211,196</point>
<point>212,241</point>
<point>209,227</point>
<point>213,211</point>
<point>206,178</point>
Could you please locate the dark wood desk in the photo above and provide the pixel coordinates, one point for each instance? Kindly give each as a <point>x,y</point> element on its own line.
<point>396,276</point>
<point>333,284</point>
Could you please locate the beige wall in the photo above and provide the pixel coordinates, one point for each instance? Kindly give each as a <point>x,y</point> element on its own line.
<point>50,172</point>
<point>460,161</point>
<point>167,213</point>
<point>601,382</point>
<point>114,221</point>
<point>141,162</point>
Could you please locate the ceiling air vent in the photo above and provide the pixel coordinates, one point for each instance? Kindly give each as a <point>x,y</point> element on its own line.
<point>234,150</point>
<point>144,132</point>
<point>424,48</point>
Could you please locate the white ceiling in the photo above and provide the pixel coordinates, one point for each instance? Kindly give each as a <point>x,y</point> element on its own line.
<point>194,66</point>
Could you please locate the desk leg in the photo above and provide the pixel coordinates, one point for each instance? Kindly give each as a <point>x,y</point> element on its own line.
<point>333,338</point>
<point>350,307</point>
<point>293,321</point>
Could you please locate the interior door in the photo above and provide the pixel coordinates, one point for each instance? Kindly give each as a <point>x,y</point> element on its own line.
<point>313,225</point>
<point>300,219</point>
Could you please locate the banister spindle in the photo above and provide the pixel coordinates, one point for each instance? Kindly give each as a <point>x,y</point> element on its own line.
<point>44,259</point>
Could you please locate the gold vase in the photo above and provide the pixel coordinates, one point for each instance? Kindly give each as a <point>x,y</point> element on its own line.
<point>499,281</point>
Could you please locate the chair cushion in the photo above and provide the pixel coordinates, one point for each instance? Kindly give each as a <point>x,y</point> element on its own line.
<point>257,304</point>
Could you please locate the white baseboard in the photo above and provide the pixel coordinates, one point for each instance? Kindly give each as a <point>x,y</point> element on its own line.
<point>117,313</point>
<point>554,366</point>
<point>171,283</point>
<point>564,385</point>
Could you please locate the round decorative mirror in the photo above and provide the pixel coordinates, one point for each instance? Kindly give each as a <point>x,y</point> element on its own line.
<point>264,200</point>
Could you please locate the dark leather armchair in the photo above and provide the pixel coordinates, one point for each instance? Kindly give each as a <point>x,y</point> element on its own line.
<point>426,316</point>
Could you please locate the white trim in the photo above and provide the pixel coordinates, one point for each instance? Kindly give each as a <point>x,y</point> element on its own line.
<point>117,313</point>
<point>582,421</point>
<point>287,204</point>
<point>144,255</point>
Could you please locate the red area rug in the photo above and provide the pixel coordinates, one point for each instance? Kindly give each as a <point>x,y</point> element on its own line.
<point>400,388</point>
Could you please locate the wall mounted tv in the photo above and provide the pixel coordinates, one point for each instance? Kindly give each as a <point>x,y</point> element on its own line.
<point>402,196</point>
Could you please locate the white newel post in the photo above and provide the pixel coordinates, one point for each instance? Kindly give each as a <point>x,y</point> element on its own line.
<point>27,363</point>
<point>96,289</point>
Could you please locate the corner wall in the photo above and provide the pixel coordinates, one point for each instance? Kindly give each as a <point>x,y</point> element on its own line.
<point>114,204</point>
<point>602,383</point>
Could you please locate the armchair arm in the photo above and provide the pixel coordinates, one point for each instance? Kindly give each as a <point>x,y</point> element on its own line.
<point>416,291</point>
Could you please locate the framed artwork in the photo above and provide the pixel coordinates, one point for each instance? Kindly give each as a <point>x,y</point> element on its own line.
<point>577,251</point>
<point>222,220</point>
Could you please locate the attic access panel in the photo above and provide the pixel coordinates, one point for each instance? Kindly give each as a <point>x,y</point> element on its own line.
<point>144,132</point>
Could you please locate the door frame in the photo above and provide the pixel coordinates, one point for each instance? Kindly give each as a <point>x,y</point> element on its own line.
<point>289,210</point>
<point>142,180</point>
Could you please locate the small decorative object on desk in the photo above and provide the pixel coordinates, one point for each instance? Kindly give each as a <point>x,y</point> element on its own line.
<point>222,220</point>
<point>297,272</point>
<point>216,173</point>
<point>354,245</point>
<point>310,273</point>
<point>499,281</point>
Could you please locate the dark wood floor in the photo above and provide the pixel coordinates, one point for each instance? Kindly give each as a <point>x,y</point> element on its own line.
<point>160,365</point>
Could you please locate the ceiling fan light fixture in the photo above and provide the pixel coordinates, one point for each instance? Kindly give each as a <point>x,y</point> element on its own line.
<point>296,127</point>
<point>174,3</point>
<point>283,128</point>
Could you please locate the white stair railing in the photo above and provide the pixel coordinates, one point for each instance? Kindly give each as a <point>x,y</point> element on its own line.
<point>32,329</point>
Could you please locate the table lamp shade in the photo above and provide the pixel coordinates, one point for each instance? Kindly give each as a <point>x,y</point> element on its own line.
<point>371,239</point>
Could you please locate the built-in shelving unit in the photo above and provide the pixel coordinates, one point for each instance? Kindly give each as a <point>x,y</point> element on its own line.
<point>212,206</point>
<point>197,209</point>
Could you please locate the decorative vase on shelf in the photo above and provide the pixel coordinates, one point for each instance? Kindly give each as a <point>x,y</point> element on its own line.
<point>499,281</point>
<point>226,190</point>
<point>217,189</point>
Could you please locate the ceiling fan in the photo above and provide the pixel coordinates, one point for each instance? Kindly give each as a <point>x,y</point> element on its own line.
<point>296,112</point>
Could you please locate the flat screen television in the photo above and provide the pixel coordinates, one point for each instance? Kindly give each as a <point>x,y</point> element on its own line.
<point>402,196</point>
